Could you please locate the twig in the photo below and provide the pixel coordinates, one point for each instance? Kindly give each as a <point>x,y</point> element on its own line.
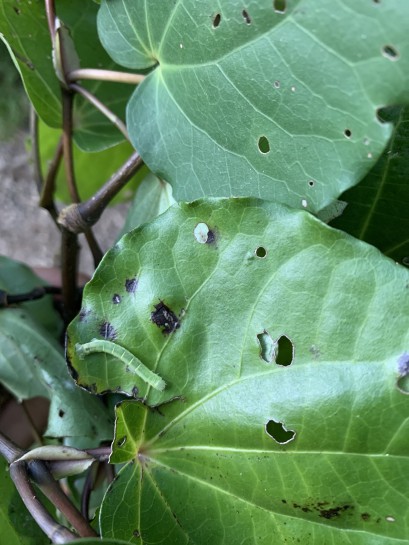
<point>46,198</point>
<point>67,108</point>
<point>8,449</point>
<point>78,217</point>
<point>45,189</point>
<point>105,75</point>
<point>69,268</point>
<point>114,119</point>
<point>51,19</point>
<point>43,478</point>
<point>37,293</point>
<point>56,532</point>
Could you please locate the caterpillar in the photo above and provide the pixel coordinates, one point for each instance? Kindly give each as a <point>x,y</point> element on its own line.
<point>122,354</point>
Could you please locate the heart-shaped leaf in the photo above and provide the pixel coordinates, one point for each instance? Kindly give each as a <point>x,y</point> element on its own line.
<point>261,98</point>
<point>281,341</point>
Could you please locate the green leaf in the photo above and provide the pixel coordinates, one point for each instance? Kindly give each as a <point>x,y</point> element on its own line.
<point>281,346</point>
<point>16,278</point>
<point>17,525</point>
<point>378,207</point>
<point>92,169</point>
<point>32,363</point>
<point>24,24</point>
<point>249,100</point>
<point>153,197</point>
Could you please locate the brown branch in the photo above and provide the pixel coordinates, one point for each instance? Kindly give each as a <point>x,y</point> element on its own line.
<point>8,449</point>
<point>79,217</point>
<point>69,268</point>
<point>56,532</point>
<point>51,18</point>
<point>47,193</point>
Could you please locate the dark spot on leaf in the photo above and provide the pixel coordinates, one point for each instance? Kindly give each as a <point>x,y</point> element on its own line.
<point>165,318</point>
<point>246,17</point>
<point>347,133</point>
<point>93,388</point>
<point>263,144</point>
<point>278,432</point>
<point>261,252</point>
<point>280,5</point>
<point>135,391</point>
<point>216,20</point>
<point>390,52</point>
<point>116,299</point>
<point>17,10</point>
<point>131,284</point>
<point>334,512</point>
<point>311,183</point>
<point>121,442</point>
<point>285,351</point>
<point>136,533</point>
<point>107,331</point>
<point>284,501</point>
<point>303,508</point>
<point>365,516</point>
<point>61,413</point>
<point>83,314</point>
<point>267,347</point>
<point>211,237</point>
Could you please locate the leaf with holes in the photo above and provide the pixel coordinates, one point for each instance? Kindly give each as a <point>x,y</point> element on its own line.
<point>377,210</point>
<point>274,99</point>
<point>24,23</point>
<point>281,342</point>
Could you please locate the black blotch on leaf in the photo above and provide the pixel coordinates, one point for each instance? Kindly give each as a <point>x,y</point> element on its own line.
<point>116,299</point>
<point>365,516</point>
<point>135,391</point>
<point>165,318</point>
<point>131,284</point>
<point>136,533</point>
<point>107,331</point>
<point>83,314</point>
<point>61,413</point>
<point>211,237</point>
<point>334,512</point>
<point>278,432</point>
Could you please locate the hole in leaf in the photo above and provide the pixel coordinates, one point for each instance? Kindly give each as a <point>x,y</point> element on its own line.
<point>304,203</point>
<point>280,5</point>
<point>246,17</point>
<point>347,133</point>
<point>261,252</point>
<point>165,318</point>
<point>61,413</point>
<point>121,442</point>
<point>278,432</point>
<point>405,261</point>
<point>203,234</point>
<point>216,20</point>
<point>390,52</point>
<point>277,84</point>
<point>263,144</point>
<point>311,183</point>
<point>285,351</point>
<point>267,347</point>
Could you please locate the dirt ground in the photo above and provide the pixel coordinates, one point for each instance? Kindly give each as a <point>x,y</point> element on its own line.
<point>27,232</point>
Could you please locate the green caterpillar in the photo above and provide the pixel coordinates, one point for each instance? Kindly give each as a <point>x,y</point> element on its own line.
<point>131,361</point>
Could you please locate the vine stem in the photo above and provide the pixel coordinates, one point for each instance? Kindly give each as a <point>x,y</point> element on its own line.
<point>78,217</point>
<point>51,19</point>
<point>105,75</point>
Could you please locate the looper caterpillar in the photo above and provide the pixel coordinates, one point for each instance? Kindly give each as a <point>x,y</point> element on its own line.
<point>131,361</point>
